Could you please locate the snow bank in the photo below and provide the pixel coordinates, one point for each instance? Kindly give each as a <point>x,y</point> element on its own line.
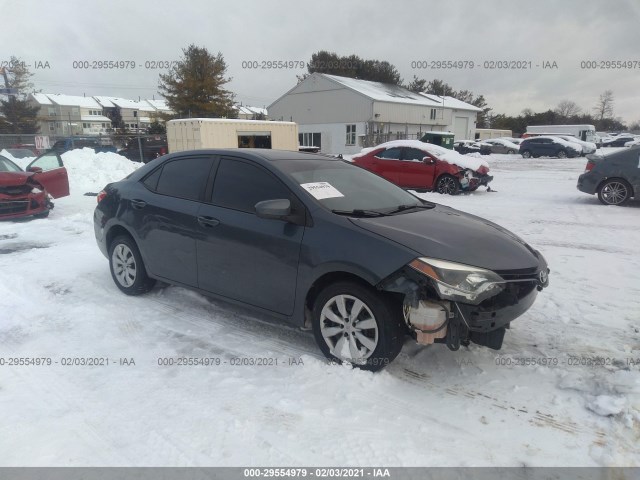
<point>21,162</point>
<point>90,171</point>
<point>449,156</point>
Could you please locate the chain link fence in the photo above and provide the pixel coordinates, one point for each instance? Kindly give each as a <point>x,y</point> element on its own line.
<point>138,148</point>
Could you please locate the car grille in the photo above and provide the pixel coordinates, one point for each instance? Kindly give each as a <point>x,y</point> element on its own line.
<point>16,190</point>
<point>13,207</point>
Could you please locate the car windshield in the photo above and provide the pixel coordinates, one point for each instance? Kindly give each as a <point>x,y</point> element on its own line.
<point>343,187</point>
<point>7,165</point>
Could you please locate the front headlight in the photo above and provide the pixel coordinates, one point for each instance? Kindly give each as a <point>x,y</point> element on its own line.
<point>458,282</point>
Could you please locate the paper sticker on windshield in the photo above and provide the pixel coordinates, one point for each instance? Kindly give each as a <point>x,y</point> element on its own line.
<point>321,190</point>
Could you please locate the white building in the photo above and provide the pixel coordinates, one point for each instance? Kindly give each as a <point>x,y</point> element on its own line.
<point>343,115</point>
<point>64,115</point>
<point>246,112</point>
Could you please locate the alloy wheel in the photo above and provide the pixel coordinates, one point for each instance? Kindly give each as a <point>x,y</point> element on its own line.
<point>349,329</point>
<point>614,193</point>
<point>446,185</point>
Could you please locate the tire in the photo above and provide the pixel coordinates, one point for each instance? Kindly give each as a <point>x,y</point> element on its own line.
<point>526,154</point>
<point>561,154</point>
<point>447,184</point>
<point>511,152</point>
<point>127,267</point>
<point>615,191</point>
<point>370,347</point>
<point>44,214</point>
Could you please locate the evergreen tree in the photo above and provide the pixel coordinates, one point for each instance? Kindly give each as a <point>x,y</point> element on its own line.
<point>195,86</point>
<point>156,128</point>
<point>20,116</point>
<point>117,123</point>
<point>352,66</point>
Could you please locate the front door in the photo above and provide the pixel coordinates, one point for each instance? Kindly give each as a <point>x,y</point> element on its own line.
<point>417,172</point>
<point>241,256</point>
<point>53,177</point>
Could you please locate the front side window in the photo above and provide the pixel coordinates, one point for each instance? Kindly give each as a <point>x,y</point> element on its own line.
<point>184,178</point>
<point>240,185</point>
<point>48,161</point>
<point>414,155</point>
<point>351,135</point>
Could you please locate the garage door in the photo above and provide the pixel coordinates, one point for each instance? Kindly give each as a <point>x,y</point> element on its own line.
<point>460,128</point>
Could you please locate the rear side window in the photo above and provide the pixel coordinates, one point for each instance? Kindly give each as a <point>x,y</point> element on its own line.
<point>184,178</point>
<point>390,154</point>
<point>240,186</point>
<point>151,182</point>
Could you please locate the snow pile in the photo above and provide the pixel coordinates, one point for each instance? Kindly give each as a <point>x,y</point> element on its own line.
<point>449,156</point>
<point>90,171</point>
<point>607,405</point>
<point>21,162</point>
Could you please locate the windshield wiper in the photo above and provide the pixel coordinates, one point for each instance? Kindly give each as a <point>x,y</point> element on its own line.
<point>402,208</point>
<point>360,213</point>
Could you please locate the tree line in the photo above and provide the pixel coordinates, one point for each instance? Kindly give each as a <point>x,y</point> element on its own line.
<point>196,86</point>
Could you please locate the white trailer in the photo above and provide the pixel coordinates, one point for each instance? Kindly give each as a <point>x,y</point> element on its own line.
<point>197,133</point>
<point>487,133</point>
<point>586,133</point>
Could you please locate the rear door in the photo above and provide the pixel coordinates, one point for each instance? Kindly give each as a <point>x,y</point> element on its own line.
<point>388,164</point>
<point>53,177</point>
<point>241,256</point>
<point>163,210</point>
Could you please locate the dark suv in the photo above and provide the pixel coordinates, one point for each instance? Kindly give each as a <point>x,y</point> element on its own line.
<point>614,177</point>
<point>548,147</point>
<point>321,243</point>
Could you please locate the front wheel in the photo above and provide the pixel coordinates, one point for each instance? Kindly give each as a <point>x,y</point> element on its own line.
<point>511,152</point>
<point>614,191</point>
<point>447,185</point>
<point>562,154</point>
<point>526,154</point>
<point>127,267</point>
<point>357,325</point>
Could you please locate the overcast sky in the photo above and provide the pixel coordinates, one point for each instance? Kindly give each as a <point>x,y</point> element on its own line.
<point>566,32</point>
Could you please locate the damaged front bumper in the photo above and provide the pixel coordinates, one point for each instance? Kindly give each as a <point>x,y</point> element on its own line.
<point>470,180</point>
<point>23,205</point>
<point>432,319</point>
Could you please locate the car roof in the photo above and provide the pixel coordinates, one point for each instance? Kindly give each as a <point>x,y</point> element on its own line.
<point>261,154</point>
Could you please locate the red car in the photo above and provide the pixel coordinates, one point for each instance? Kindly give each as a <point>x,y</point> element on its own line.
<point>422,166</point>
<point>26,193</point>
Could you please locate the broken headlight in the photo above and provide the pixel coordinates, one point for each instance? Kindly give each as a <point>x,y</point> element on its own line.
<point>458,282</point>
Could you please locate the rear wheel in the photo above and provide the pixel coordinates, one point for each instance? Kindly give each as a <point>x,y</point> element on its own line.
<point>562,154</point>
<point>511,152</point>
<point>127,267</point>
<point>614,191</point>
<point>357,325</point>
<point>526,154</point>
<point>447,185</point>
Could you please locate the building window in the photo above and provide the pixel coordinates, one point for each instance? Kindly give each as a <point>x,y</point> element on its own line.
<point>433,114</point>
<point>75,111</point>
<point>351,135</point>
<point>52,127</point>
<point>309,139</point>
<point>52,111</point>
<point>86,125</point>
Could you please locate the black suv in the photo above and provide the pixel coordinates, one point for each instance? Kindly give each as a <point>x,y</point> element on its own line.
<point>614,177</point>
<point>321,243</point>
<point>548,147</point>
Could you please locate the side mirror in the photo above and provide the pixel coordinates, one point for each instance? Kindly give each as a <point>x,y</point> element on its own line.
<point>278,209</point>
<point>34,169</point>
<point>427,160</point>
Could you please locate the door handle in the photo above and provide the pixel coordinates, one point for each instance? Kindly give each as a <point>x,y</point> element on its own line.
<point>208,221</point>
<point>138,204</point>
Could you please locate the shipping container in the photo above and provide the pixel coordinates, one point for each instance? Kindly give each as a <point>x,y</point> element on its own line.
<point>198,133</point>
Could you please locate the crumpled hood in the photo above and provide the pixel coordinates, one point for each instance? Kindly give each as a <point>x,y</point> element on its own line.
<point>448,234</point>
<point>13,179</point>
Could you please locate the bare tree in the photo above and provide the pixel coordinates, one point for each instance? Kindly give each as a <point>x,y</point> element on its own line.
<point>604,107</point>
<point>568,109</point>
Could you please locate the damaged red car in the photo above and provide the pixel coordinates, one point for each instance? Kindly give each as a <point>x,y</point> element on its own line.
<point>422,166</point>
<point>29,193</point>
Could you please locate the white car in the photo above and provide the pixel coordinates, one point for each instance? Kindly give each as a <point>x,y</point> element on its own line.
<point>587,147</point>
<point>501,145</point>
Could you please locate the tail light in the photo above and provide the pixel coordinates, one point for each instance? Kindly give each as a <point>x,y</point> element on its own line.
<point>101,195</point>
<point>163,151</point>
<point>590,165</point>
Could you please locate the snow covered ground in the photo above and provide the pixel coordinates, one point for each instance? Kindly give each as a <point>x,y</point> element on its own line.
<point>431,407</point>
